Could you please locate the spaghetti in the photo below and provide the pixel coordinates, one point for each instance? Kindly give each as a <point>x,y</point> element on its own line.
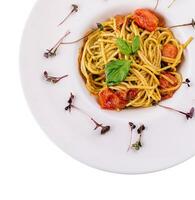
<point>153,69</point>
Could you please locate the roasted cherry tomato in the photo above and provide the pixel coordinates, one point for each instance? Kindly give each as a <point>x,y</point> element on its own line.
<point>164,84</point>
<point>146,19</point>
<point>132,94</point>
<point>111,100</point>
<point>121,94</point>
<point>169,51</point>
<point>119,21</point>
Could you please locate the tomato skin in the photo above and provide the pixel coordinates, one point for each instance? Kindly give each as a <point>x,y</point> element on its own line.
<point>164,84</point>
<point>146,19</point>
<point>119,21</point>
<point>169,51</point>
<point>132,94</point>
<point>121,95</point>
<point>112,100</point>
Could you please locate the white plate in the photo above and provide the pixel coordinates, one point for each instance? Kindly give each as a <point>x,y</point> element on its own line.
<point>169,137</point>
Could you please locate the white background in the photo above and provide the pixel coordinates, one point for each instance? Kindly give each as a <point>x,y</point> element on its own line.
<point>32,167</point>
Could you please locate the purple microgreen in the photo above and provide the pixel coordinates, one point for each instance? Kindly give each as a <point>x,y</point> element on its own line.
<point>53,79</point>
<point>70,103</point>
<point>100,26</point>
<point>189,115</point>
<point>52,52</point>
<point>78,40</point>
<point>141,129</point>
<point>138,144</point>
<point>132,127</point>
<point>157,3</point>
<point>104,129</point>
<point>192,23</point>
<point>187,82</point>
<point>74,9</point>
<point>172,2</point>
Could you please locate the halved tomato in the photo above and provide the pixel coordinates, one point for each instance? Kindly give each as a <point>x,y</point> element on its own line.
<point>111,100</point>
<point>119,21</point>
<point>146,19</point>
<point>170,51</point>
<point>132,94</point>
<point>165,84</point>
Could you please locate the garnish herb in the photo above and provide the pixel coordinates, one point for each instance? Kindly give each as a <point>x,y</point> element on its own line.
<point>75,9</point>
<point>192,23</point>
<point>171,3</point>
<point>135,44</point>
<point>53,79</point>
<point>124,46</point>
<point>117,71</point>
<point>52,52</point>
<point>157,3</point>
<point>100,26</point>
<point>189,115</point>
<point>187,82</point>
<point>127,48</point>
<point>138,144</point>
<point>132,127</point>
<point>104,129</point>
<point>141,129</point>
<point>78,40</point>
<point>70,103</point>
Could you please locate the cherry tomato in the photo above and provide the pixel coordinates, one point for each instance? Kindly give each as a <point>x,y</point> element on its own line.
<point>111,100</point>
<point>170,51</point>
<point>146,19</point>
<point>164,84</point>
<point>119,21</point>
<point>121,94</point>
<point>132,94</point>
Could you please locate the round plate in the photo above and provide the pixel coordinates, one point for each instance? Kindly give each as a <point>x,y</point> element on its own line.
<point>169,137</point>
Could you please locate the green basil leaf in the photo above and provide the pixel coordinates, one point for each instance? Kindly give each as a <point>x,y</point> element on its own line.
<point>136,44</point>
<point>124,46</point>
<point>117,71</point>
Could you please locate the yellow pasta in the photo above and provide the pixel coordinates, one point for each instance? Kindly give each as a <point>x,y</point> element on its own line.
<point>148,64</point>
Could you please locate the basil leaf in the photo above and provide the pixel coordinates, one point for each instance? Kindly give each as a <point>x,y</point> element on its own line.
<point>117,71</point>
<point>124,46</point>
<point>135,44</point>
<point>127,48</point>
